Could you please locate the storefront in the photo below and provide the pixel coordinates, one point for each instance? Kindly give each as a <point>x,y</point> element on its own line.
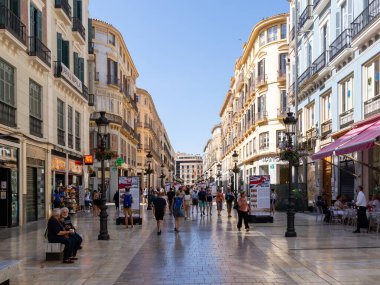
<point>58,169</point>
<point>9,188</point>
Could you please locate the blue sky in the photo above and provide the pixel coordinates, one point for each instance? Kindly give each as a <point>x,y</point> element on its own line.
<point>185,51</point>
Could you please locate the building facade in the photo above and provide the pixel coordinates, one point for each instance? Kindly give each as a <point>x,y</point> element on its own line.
<point>115,92</point>
<point>255,105</point>
<point>153,139</point>
<point>188,168</point>
<point>337,74</point>
<point>44,104</point>
<point>212,153</point>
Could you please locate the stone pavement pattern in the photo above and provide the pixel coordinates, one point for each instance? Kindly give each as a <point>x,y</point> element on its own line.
<point>206,251</point>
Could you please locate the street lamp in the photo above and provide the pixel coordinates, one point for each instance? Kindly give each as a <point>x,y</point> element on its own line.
<point>149,171</point>
<point>162,176</point>
<point>102,123</point>
<point>219,169</point>
<point>290,123</point>
<point>235,170</point>
<point>211,178</point>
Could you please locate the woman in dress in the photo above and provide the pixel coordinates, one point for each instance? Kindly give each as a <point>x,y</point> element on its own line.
<point>243,211</point>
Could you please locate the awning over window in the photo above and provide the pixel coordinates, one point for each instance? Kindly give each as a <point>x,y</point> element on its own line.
<point>342,141</point>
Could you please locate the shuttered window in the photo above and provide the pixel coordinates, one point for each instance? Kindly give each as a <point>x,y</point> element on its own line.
<point>63,50</point>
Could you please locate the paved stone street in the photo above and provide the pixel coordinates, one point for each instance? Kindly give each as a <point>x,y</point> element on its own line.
<point>206,251</point>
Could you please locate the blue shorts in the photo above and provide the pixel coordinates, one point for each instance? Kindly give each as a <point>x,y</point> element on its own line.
<point>202,204</point>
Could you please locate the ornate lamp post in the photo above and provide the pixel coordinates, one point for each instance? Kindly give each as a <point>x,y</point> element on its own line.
<point>149,171</point>
<point>211,177</point>
<point>219,168</point>
<point>290,123</point>
<point>235,170</point>
<point>162,176</point>
<point>102,123</point>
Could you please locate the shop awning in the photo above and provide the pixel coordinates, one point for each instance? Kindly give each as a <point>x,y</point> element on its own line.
<point>364,141</point>
<point>343,140</point>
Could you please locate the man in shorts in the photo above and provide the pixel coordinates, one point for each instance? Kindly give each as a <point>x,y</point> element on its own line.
<point>159,209</point>
<point>202,196</point>
<point>128,201</point>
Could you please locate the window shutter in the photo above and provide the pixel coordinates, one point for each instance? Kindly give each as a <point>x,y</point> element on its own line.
<point>75,9</point>
<point>90,30</point>
<point>32,22</point>
<point>66,53</point>
<point>349,12</point>
<point>14,6</point>
<point>109,69</point>
<point>81,69</point>
<point>337,23</point>
<point>39,25</point>
<point>76,65</point>
<point>79,8</point>
<point>59,47</point>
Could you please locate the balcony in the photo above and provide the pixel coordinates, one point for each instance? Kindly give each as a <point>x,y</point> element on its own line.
<point>61,137</point>
<point>79,30</point>
<point>306,17</point>
<point>112,118</point>
<point>7,115</point>
<point>320,62</point>
<point>261,117</point>
<point>282,112</point>
<point>291,94</point>
<point>326,128</point>
<point>366,26</point>
<point>91,47</point>
<point>319,5</point>
<point>342,42</point>
<point>35,126</point>
<point>113,80</point>
<point>38,49</point>
<point>11,23</point>
<point>240,81</point>
<point>346,118</point>
<point>91,100</point>
<point>261,80</point>
<point>305,76</point>
<point>61,71</point>
<point>281,75</point>
<point>372,106</point>
<point>311,137</point>
<point>63,10</point>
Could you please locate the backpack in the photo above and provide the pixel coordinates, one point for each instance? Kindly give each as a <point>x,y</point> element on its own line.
<point>229,197</point>
<point>177,203</point>
<point>128,200</point>
<point>195,195</point>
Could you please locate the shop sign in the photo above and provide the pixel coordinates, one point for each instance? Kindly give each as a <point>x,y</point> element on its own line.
<point>75,81</point>
<point>58,163</point>
<point>88,159</point>
<point>74,168</point>
<point>119,161</point>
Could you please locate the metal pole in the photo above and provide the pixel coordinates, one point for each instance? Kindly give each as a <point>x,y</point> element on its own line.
<point>290,230</point>
<point>296,88</point>
<point>149,191</point>
<point>103,216</point>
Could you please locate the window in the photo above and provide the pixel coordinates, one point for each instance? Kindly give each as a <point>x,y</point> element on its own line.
<point>261,68</point>
<point>77,131</point>
<point>77,7</point>
<point>283,31</point>
<point>309,117</point>
<point>261,108</point>
<point>300,123</point>
<point>7,95</point>
<point>346,95</point>
<point>70,126</point>
<point>262,39</point>
<point>35,109</point>
<point>79,67</point>
<point>63,51</point>
<point>282,63</point>
<point>272,34</point>
<point>326,107</point>
<point>281,138</point>
<point>35,26</point>
<point>112,71</point>
<point>111,39</point>
<point>371,79</point>
<point>61,121</point>
<point>283,101</point>
<point>264,141</point>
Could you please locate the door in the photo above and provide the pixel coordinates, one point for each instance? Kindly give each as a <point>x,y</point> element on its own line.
<point>346,179</point>
<point>31,201</point>
<point>4,197</point>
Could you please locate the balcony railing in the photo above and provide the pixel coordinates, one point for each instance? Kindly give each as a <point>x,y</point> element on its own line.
<point>346,118</point>
<point>37,48</point>
<point>261,80</point>
<point>111,117</point>
<point>282,112</point>
<point>372,106</point>
<point>11,22</point>
<point>61,137</point>
<point>65,6</point>
<point>261,116</point>
<point>77,143</point>
<point>91,47</point>
<point>341,42</point>
<point>113,80</point>
<point>326,128</point>
<point>306,15</point>
<point>320,62</point>
<point>305,76</point>
<point>35,126</point>
<point>369,15</point>
<point>78,27</point>
<point>7,115</point>
<point>281,75</point>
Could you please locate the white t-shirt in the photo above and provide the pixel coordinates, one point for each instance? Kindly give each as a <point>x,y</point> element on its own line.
<point>187,197</point>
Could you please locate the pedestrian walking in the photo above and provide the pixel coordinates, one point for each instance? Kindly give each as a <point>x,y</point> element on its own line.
<point>187,200</point>
<point>116,200</point>
<point>194,201</point>
<point>219,201</point>
<point>97,201</point>
<point>202,201</point>
<point>127,203</point>
<point>177,210</point>
<point>361,204</point>
<point>159,209</point>
<point>243,211</point>
<point>209,201</point>
<point>230,198</point>
<point>171,195</point>
<point>273,197</point>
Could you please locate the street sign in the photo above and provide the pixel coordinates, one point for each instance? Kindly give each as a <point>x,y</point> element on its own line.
<point>119,161</point>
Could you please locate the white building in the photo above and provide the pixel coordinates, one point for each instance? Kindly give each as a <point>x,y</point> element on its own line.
<point>212,153</point>
<point>188,167</point>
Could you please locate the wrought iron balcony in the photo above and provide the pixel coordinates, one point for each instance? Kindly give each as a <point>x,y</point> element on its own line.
<point>261,80</point>
<point>37,48</point>
<point>35,126</point>
<point>341,42</point>
<point>372,106</point>
<point>78,27</point>
<point>281,75</point>
<point>326,128</point>
<point>305,76</point>
<point>346,118</point>
<point>366,18</point>
<point>12,23</point>
<point>65,6</point>
<point>320,62</point>
<point>113,80</point>
<point>261,116</point>
<point>306,15</point>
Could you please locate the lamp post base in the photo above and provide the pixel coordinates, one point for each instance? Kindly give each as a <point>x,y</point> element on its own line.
<point>290,230</point>
<point>103,234</point>
<point>290,234</point>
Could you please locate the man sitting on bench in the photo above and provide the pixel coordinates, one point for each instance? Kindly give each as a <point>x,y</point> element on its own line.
<point>57,234</point>
<point>68,225</point>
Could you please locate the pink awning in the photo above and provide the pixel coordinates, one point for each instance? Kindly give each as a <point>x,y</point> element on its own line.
<point>332,147</point>
<point>364,141</point>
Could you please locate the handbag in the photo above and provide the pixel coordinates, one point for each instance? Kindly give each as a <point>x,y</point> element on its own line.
<point>236,206</point>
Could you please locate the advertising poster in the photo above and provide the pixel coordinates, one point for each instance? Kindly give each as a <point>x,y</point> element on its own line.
<point>133,183</point>
<point>213,188</point>
<point>259,187</point>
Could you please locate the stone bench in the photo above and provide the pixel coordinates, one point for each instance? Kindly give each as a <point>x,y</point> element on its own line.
<point>54,251</point>
<point>8,269</point>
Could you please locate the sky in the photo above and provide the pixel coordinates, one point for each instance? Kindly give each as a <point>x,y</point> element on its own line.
<point>185,51</point>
